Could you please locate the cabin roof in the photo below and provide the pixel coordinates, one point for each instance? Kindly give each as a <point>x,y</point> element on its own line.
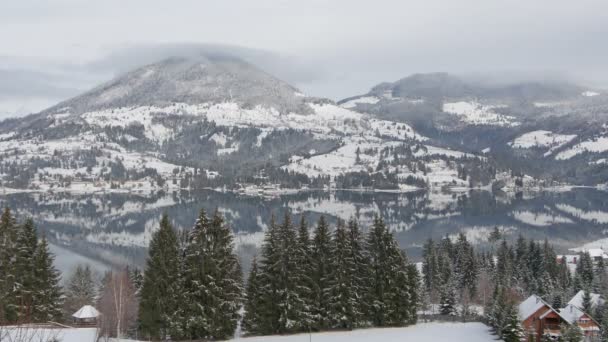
<point>86,311</point>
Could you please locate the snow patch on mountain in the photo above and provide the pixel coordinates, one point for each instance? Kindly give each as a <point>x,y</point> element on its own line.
<point>474,113</point>
<point>541,139</point>
<point>596,145</point>
<point>590,93</point>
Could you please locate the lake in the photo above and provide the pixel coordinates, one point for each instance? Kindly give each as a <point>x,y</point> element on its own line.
<point>108,230</point>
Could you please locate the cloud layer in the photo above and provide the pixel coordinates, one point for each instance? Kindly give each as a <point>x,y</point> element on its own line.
<point>55,49</point>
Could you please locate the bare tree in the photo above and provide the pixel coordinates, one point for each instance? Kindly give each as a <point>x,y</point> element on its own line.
<point>117,304</point>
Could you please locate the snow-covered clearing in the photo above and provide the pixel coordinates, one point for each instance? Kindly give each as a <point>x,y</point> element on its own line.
<point>475,113</point>
<point>423,332</point>
<point>542,139</point>
<point>597,145</point>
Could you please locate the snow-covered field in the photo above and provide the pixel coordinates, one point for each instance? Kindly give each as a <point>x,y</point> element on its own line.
<point>422,332</point>
<point>37,334</point>
<point>475,113</point>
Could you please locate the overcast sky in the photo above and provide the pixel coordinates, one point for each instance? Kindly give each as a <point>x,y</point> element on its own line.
<point>54,49</point>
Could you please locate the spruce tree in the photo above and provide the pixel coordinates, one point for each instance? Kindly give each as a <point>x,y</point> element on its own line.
<point>25,271</point>
<point>80,290</point>
<point>512,330</point>
<point>268,312</point>
<point>414,293</point>
<point>389,286</point>
<point>361,278</point>
<point>586,302</point>
<point>465,265</point>
<point>584,272</point>
<point>430,268</point>
<point>447,298</point>
<point>345,312</point>
<point>212,280</point>
<point>321,273</point>
<point>8,239</point>
<point>398,285</point>
<point>160,292</point>
<point>253,320</point>
<point>48,297</point>
<point>303,274</point>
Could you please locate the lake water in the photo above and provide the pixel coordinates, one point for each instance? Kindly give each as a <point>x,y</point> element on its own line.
<point>108,230</point>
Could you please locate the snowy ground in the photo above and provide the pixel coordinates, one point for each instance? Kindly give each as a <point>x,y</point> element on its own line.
<point>19,334</point>
<point>423,332</point>
<point>475,113</point>
<point>596,145</point>
<point>542,139</point>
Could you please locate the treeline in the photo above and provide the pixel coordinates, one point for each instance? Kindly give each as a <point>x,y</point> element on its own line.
<point>456,277</point>
<point>29,283</point>
<point>192,286</point>
<point>339,280</point>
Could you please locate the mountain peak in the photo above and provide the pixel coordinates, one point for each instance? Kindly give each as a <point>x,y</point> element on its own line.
<point>209,78</point>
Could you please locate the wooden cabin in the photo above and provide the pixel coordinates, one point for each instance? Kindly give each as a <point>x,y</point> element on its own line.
<point>539,319</point>
<point>574,314</point>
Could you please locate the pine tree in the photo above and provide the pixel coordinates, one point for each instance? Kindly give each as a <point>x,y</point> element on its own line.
<point>414,287</point>
<point>80,290</point>
<point>361,278</point>
<point>160,291</point>
<point>252,321</point>
<point>212,280</point>
<point>303,274</point>
<point>557,301</point>
<point>48,297</point>
<point>586,303</point>
<point>268,313</point>
<point>344,306</point>
<point>8,239</point>
<point>465,266</point>
<point>447,299</point>
<point>584,272</point>
<point>398,285</point>
<point>389,285</point>
<point>25,271</point>
<point>321,272</point>
<point>512,330</point>
<point>430,268</point>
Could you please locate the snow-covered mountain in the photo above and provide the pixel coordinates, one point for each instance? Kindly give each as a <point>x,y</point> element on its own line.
<point>217,121</point>
<point>547,129</point>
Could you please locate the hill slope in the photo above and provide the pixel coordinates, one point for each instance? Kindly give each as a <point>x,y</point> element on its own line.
<point>217,121</point>
<point>551,130</point>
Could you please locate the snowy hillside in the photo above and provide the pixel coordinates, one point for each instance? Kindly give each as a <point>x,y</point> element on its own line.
<point>474,113</point>
<point>542,139</point>
<point>422,332</point>
<point>213,122</point>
